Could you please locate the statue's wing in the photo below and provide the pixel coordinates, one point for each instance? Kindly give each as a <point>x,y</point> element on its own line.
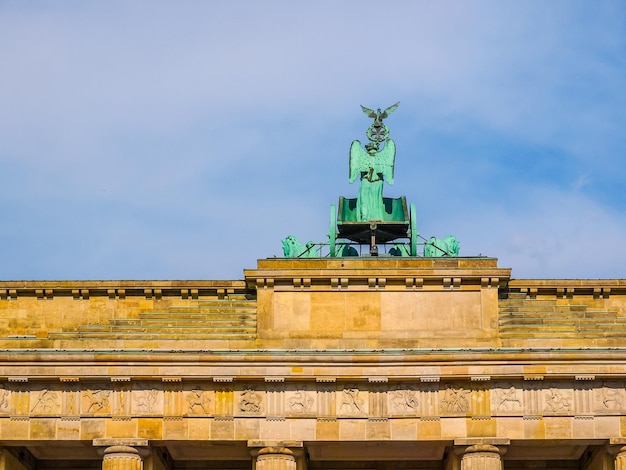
<point>389,110</point>
<point>369,112</point>
<point>358,161</point>
<point>386,160</point>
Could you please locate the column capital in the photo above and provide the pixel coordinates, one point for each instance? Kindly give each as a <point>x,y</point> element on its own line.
<point>275,443</point>
<point>120,456</point>
<point>616,450</point>
<point>128,446</point>
<point>484,448</point>
<point>471,445</point>
<point>124,450</point>
<point>274,458</point>
<point>258,448</point>
<point>275,450</point>
<point>473,441</point>
<point>130,442</point>
<point>482,455</point>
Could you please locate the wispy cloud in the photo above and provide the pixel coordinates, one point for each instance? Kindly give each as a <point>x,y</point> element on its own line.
<point>152,140</point>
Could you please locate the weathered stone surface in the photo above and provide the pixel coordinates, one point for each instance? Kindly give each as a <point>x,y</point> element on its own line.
<point>354,359</point>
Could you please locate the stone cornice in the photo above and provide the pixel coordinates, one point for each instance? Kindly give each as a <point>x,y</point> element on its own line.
<point>565,287</point>
<point>383,273</point>
<point>474,365</point>
<point>119,288</point>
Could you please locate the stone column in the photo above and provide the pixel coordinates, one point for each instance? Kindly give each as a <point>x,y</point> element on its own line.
<point>121,458</point>
<point>122,454</point>
<point>616,449</point>
<point>620,459</point>
<point>274,458</point>
<point>482,457</point>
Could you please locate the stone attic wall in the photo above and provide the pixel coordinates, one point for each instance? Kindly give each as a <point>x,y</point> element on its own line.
<point>113,314</point>
<point>313,304</point>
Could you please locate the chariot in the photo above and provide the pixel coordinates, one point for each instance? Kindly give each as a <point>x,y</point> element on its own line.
<point>398,223</point>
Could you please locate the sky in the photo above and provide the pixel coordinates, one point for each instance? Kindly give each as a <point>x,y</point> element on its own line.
<point>185,140</point>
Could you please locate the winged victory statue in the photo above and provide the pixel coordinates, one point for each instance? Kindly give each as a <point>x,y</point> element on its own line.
<point>374,165</point>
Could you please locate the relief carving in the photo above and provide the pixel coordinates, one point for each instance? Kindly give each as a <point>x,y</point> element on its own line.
<point>351,401</point>
<point>611,396</point>
<point>198,401</point>
<point>99,400</point>
<point>147,401</point>
<point>250,401</point>
<point>47,402</point>
<point>405,401</point>
<point>455,401</point>
<point>5,396</point>
<point>557,400</point>
<point>301,402</point>
<point>508,400</point>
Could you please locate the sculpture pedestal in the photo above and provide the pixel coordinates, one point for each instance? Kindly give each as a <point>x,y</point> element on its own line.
<point>388,302</point>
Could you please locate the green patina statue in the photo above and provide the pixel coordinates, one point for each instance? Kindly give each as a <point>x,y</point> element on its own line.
<point>292,248</point>
<point>436,247</point>
<point>371,219</point>
<point>373,165</point>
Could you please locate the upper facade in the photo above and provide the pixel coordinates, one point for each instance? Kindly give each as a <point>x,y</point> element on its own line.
<point>430,361</point>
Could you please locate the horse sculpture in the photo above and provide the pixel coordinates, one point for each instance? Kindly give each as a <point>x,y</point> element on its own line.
<point>292,248</point>
<point>436,247</point>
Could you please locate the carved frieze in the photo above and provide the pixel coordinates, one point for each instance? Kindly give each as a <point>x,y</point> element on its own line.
<point>403,401</point>
<point>45,402</point>
<point>147,402</point>
<point>301,401</point>
<point>456,399</point>
<point>558,398</point>
<point>249,401</point>
<point>506,399</point>
<point>198,400</point>
<point>5,401</point>
<point>122,399</point>
<point>96,401</point>
<point>352,401</point>
<point>609,397</point>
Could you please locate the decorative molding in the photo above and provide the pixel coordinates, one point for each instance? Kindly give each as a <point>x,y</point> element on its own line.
<point>277,398</point>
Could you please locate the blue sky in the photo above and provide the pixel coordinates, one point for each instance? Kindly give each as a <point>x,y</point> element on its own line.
<point>185,140</point>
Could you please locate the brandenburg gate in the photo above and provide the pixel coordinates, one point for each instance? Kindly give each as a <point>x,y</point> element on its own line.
<point>325,359</point>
